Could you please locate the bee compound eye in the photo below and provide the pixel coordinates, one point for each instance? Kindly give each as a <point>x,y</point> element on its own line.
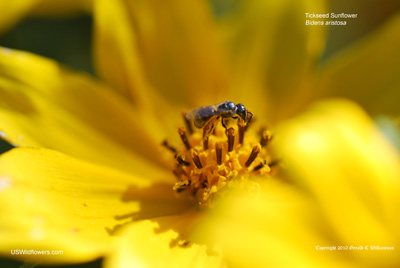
<point>241,111</point>
<point>240,108</point>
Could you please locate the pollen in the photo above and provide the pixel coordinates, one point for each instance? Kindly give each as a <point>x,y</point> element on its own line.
<point>205,167</point>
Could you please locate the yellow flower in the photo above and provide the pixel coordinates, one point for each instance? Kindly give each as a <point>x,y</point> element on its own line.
<point>345,214</point>
<point>91,178</point>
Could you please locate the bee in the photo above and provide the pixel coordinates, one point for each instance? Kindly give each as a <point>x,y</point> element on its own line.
<point>207,117</point>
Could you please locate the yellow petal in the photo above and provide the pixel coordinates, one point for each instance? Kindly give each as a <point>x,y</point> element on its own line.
<point>43,104</point>
<point>54,202</point>
<point>277,228</point>
<point>161,243</point>
<point>345,193</point>
<point>368,71</point>
<point>116,52</point>
<point>118,62</point>
<point>13,12</point>
<point>171,44</point>
<point>273,54</point>
<point>336,152</point>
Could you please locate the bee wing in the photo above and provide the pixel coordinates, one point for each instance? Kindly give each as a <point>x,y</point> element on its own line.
<point>192,113</point>
<point>200,116</point>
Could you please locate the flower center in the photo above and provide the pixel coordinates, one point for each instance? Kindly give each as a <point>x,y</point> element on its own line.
<point>207,166</point>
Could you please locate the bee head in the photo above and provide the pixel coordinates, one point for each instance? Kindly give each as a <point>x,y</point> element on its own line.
<point>241,111</point>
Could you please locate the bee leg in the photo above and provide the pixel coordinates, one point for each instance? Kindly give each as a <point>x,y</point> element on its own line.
<point>239,119</point>
<point>249,117</point>
<point>236,117</point>
<point>223,124</point>
<point>208,129</point>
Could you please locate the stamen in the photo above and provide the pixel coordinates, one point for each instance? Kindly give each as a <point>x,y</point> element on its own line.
<point>168,146</point>
<point>218,151</point>
<point>196,159</point>
<point>265,138</point>
<point>203,180</point>
<point>261,165</point>
<point>274,163</point>
<point>205,176</point>
<point>242,130</point>
<point>187,123</point>
<point>182,133</point>
<point>181,185</point>
<point>231,138</point>
<point>205,143</point>
<point>181,161</point>
<point>256,150</point>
